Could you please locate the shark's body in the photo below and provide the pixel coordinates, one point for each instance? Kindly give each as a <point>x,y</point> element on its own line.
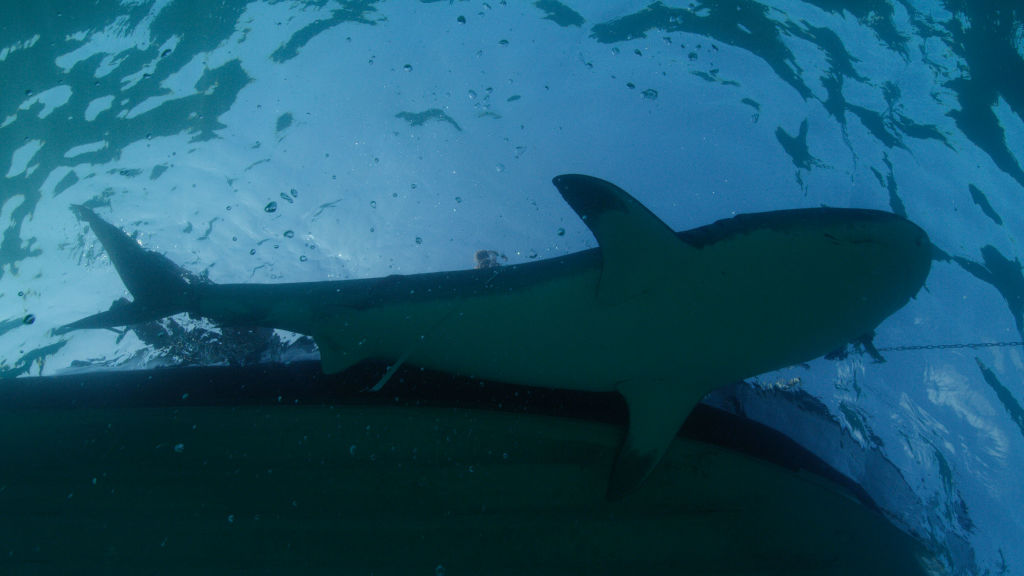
<point>661,317</point>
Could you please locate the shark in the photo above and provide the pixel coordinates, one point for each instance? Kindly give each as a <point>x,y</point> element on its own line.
<point>659,316</point>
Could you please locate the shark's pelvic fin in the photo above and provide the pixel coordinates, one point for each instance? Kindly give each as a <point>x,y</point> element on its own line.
<point>339,353</point>
<point>159,287</point>
<point>343,344</point>
<point>636,246</point>
<point>657,410</point>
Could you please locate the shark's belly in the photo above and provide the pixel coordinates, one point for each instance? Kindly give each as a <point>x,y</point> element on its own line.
<point>556,336</point>
<point>560,334</point>
<point>574,342</point>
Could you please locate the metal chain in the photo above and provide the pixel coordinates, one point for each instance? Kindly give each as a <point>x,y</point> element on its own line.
<point>974,346</point>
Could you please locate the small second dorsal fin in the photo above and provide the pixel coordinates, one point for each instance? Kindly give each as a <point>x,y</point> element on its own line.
<point>635,243</point>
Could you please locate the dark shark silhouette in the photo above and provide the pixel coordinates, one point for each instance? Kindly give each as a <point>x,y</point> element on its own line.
<point>661,317</point>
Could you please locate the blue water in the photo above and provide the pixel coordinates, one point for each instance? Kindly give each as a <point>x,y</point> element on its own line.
<point>290,141</point>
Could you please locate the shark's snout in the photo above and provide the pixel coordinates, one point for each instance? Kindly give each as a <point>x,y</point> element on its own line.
<point>905,251</point>
<point>887,259</point>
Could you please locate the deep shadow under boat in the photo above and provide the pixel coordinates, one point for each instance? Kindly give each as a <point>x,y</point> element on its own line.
<point>280,469</point>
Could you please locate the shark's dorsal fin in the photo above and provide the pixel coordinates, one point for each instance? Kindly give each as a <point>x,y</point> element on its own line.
<point>635,244</point>
<point>657,410</point>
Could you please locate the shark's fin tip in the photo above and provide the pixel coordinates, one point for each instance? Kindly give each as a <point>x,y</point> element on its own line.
<point>657,409</point>
<point>629,471</point>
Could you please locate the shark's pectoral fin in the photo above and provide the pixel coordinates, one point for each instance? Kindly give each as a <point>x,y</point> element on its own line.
<point>637,248</point>
<point>657,409</point>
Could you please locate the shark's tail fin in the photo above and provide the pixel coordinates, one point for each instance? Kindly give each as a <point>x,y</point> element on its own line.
<point>159,287</point>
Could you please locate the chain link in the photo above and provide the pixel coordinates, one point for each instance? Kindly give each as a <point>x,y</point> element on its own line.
<point>973,346</point>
